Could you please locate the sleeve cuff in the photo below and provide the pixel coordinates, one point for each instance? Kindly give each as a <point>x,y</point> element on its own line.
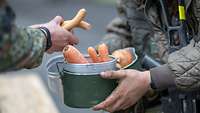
<point>162,77</point>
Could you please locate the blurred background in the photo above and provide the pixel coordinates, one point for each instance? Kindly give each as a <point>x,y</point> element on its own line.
<point>100,13</point>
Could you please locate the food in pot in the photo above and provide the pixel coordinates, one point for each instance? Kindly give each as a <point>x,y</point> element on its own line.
<point>93,55</point>
<point>103,53</point>
<point>124,57</point>
<point>73,55</point>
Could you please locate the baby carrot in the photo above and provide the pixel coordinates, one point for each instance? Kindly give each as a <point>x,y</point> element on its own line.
<point>93,54</point>
<point>72,55</point>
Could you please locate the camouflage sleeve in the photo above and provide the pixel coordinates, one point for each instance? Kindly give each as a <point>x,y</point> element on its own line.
<point>118,33</point>
<point>19,47</point>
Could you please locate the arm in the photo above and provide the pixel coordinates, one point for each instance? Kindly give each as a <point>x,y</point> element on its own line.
<point>19,47</point>
<point>24,47</point>
<point>183,66</point>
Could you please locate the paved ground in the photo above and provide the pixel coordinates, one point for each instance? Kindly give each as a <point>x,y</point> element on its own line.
<point>40,11</point>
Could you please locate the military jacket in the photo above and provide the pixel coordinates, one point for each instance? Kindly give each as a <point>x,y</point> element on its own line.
<point>133,28</point>
<point>19,47</point>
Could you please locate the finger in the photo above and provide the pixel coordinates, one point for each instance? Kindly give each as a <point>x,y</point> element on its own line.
<point>116,106</point>
<point>114,74</point>
<point>108,102</point>
<point>128,104</point>
<point>72,39</point>
<point>58,20</point>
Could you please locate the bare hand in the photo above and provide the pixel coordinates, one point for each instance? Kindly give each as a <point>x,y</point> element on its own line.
<point>59,36</point>
<point>132,86</point>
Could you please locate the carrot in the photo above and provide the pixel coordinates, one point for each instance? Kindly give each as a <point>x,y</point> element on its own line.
<point>77,21</point>
<point>72,55</point>
<point>124,57</point>
<point>93,55</point>
<point>103,53</point>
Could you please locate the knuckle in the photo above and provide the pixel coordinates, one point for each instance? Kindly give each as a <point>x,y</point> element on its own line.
<point>125,92</point>
<point>110,74</point>
<point>59,17</point>
<point>119,94</point>
<point>65,39</point>
<point>112,97</point>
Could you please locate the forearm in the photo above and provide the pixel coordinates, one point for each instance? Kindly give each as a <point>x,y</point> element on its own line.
<point>26,48</point>
<point>162,77</point>
<point>35,55</point>
<point>182,69</point>
<point>185,64</point>
<point>19,48</point>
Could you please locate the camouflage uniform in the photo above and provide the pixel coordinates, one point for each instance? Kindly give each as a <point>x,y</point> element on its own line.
<point>19,47</point>
<point>139,26</point>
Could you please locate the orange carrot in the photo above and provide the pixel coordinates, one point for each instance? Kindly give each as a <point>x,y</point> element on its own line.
<point>103,52</point>
<point>77,21</point>
<point>72,55</point>
<point>124,57</point>
<point>93,55</point>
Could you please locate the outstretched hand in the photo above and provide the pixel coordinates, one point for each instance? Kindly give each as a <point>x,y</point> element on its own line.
<point>132,86</point>
<point>60,37</point>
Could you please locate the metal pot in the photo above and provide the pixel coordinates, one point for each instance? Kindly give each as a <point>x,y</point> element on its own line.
<point>80,85</point>
<point>54,81</point>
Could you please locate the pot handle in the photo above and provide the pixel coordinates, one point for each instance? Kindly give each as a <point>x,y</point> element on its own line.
<point>58,68</point>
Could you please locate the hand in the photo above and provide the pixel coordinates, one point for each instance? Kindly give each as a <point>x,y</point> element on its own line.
<point>132,86</point>
<point>59,36</point>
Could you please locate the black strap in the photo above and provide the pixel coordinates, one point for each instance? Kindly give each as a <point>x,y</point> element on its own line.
<point>48,37</point>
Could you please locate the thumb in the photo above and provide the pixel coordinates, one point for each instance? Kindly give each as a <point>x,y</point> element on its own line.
<point>58,20</point>
<point>114,74</point>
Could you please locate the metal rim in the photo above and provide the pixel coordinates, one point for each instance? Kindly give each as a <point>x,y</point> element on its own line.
<point>50,63</point>
<point>114,60</point>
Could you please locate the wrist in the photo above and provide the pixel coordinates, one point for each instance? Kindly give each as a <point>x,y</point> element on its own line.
<point>147,77</point>
<point>47,36</point>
